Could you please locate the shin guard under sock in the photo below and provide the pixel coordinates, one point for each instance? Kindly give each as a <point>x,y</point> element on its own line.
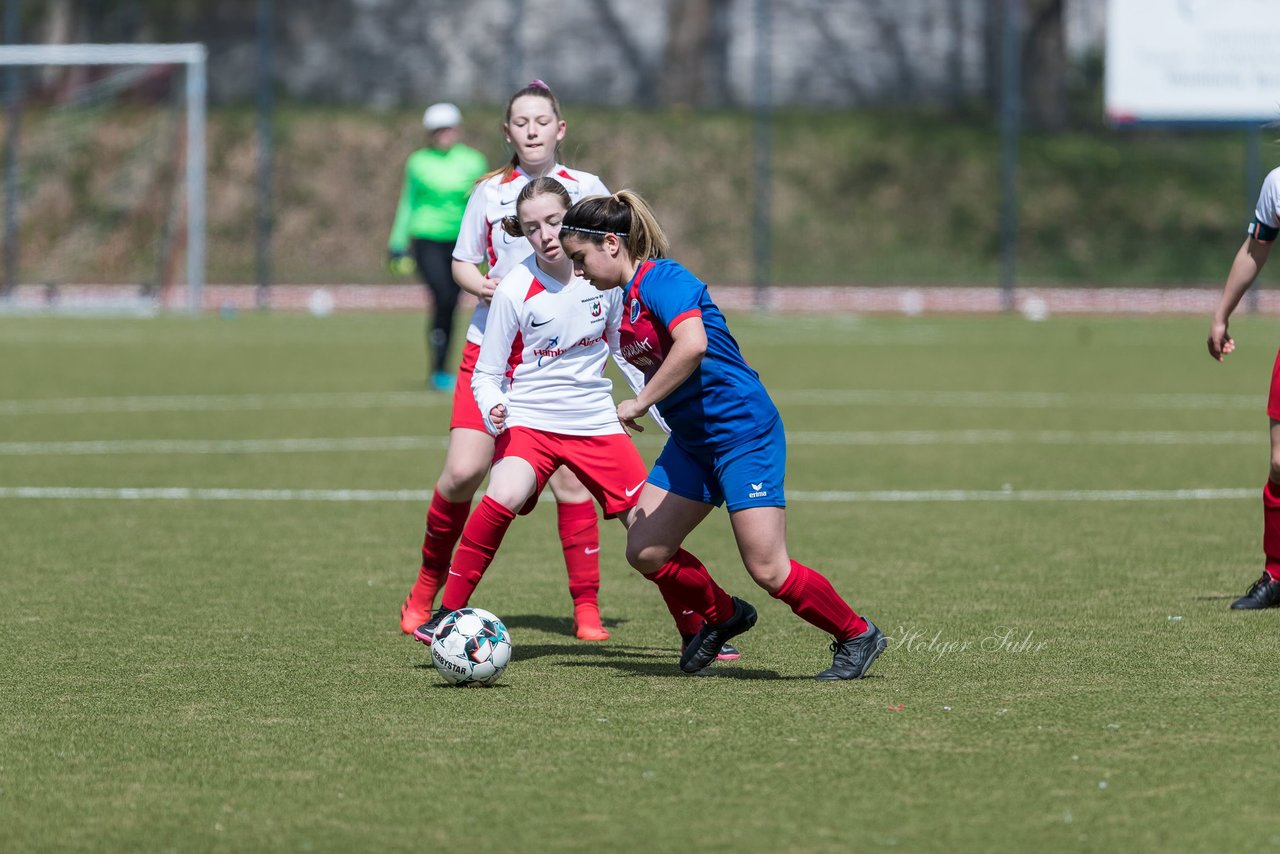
<point>480,540</point>
<point>815,601</point>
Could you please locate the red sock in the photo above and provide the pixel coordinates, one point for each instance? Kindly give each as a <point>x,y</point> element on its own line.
<point>685,582</point>
<point>1271,528</point>
<point>480,540</point>
<point>444,525</point>
<point>687,622</point>
<point>580,539</point>
<point>815,601</point>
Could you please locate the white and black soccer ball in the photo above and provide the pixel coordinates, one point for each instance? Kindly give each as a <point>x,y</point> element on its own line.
<point>471,647</point>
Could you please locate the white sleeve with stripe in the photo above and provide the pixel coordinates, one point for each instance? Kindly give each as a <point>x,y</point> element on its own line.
<point>473,238</point>
<point>1268,212</point>
<point>489,381</point>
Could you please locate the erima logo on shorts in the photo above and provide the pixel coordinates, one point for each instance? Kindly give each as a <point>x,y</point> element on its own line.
<point>757,491</point>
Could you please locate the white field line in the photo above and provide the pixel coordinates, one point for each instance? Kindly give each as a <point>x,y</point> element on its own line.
<point>1018,399</point>
<point>143,447</point>
<point>793,397</point>
<point>178,493</point>
<point>868,438</point>
<point>224,402</point>
<point>1029,437</point>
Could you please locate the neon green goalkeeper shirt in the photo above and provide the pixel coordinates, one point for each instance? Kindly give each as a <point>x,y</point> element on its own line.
<point>436,186</point>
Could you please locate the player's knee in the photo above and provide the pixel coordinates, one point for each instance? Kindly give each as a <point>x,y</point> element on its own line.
<point>770,575</point>
<point>568,490</point>
<point>460,480</point>
<point>1274,474</point>
<point>509,496</point>
<point>648,558</point>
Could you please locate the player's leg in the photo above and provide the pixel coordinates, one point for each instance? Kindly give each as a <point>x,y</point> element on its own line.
<point>1265,592</point>
<point>519,473</point>
<point>435,265</point>
<point>677,496</point>
<point>466,463</point>
<point>467,460</point>
<point>752,478</point>
<point>613,471</point>
<point>579,529</point>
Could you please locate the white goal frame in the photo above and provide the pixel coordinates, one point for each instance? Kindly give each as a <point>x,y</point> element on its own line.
<point>194,57</point>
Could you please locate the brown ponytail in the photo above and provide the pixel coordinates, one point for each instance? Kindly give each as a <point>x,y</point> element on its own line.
<point>624,214</point>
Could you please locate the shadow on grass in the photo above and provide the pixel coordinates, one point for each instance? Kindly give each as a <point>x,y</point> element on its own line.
<point>630,661</point>
<point>627,659</point>
<point>637,661</point>
<point>551,625</point>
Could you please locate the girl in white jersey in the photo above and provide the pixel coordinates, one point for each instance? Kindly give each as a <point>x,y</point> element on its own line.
<point>1248,263</point>
<point>539,383</point>
<point>533,128</point>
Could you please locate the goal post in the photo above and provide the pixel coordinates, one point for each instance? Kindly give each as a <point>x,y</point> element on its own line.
<point>193,58</point>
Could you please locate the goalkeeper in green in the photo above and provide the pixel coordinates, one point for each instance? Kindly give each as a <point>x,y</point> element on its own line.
<point>438,179</point>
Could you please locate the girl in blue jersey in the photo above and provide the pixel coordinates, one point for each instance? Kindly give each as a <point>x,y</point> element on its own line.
<point>727,444</point>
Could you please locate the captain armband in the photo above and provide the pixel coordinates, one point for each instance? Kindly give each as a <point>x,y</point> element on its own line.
<point>1262,232</point>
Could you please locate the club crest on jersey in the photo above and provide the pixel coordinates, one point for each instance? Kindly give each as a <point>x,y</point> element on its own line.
<point>635,310</point>
<point>596,309</point>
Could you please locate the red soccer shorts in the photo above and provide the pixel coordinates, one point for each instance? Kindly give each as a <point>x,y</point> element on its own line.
<point>609,467</point>
<point>465,411</point>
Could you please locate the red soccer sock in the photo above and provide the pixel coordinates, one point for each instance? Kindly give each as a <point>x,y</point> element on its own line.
<point>1271,528</point>
<point>480,540</point>
<point>815,601</point>
<point>687,622</point>
<point>444,525</point>
<point>686,585</point>
<point>580,539</point>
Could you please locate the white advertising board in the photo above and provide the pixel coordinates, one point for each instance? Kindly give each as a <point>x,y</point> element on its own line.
<point>1199,61</point>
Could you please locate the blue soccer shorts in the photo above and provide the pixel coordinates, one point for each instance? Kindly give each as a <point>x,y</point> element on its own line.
<point>747,475</point>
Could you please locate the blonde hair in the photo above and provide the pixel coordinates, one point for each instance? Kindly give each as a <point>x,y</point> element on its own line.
<point>624,214</point>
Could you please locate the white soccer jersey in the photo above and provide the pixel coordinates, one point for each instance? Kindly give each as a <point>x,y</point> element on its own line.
<point>1266,218</point>
<point>544,353</point>
<point>482,239</point>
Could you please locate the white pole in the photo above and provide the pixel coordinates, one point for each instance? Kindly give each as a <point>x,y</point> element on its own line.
<point>195,181</point>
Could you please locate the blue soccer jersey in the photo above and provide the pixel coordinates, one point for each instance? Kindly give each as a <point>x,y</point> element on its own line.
<point>723,403</point>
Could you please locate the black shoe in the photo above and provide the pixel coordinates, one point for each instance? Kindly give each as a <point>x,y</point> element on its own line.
<point>1265,593</point>
<point>710,640</point>
<point>854,656</point>
<point>728,652</point>
<point>427,630</point>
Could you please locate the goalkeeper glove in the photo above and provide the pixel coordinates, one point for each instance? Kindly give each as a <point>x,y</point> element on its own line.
<point>400,263</point>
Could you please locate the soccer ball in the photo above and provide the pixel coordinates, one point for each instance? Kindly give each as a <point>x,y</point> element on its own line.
<point>470,647</point>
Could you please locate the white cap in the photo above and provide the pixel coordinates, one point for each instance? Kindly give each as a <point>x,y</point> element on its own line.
<point>443,115</point>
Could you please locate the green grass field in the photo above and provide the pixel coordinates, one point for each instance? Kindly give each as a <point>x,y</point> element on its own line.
<point>219,667</point>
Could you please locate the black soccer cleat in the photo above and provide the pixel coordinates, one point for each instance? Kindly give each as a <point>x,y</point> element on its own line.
<point>728,652</point>
<point>427,630</point>
<point>707,644</point>
<point>1265,593</point>
<point>853,657</point>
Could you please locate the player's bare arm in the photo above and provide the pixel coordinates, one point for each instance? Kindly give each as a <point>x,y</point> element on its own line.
<point>689,345</point>
<point>1248,263</point>
<point>471,280</point>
